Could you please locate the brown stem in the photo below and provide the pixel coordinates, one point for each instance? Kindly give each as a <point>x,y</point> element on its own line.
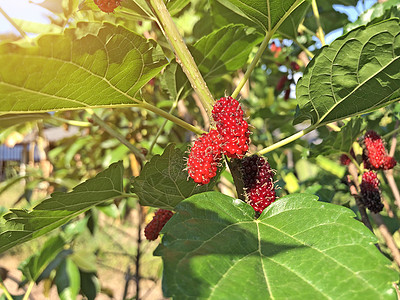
<point>389,173</point>
<point>138,252</point>
<point>361,207</point>
<point>387,236</point>
<point>354,188</point>
<point>234,166</point>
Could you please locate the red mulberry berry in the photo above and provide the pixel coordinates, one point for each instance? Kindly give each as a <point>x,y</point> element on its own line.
<point>295,66</point>
<point>161,217</point>
<point>232,127</point>
<point>281,82</point>
<point>389,163</point>
<point>204,157</point>
<point>258,182</point>
<point>375,152</point>
<point>345,160</point>
<point>107,6</point>
<point>370,193</point>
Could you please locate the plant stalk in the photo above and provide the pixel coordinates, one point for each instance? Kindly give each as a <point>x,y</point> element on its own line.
<point>321,34</point>
<point>170,117</point>
<point>29,290</point>
<point>262,47</point>
<point>287,140</point>
<point>5,291</point>
<point>116,134</point>
<point>183,56</point>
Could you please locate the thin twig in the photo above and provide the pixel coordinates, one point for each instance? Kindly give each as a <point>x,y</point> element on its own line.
<point>321,34</point>
<point>361,207</point>
<point>387,236</point>
<point>138,253</point>
<point>15,25</point>
<point>389,173</point>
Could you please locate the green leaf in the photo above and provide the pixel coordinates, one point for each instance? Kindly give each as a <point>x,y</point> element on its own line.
<point>299,248</point>
<point>265,14</point>
<point>340,141</point>
<point>218,53</point>
<point>8,120</point>
<point>21,225</point>
<point>92,65</point>
<point>289,27</point>
<point>348,78</point>
<point>164,182</point>
<point>33,267</point>
<point>378,12</point>
<point>67,280</point>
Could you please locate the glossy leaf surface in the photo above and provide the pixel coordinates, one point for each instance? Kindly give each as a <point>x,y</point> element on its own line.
<point>347,78</point>
<point>93,65</point>
<point>21,225</point>
<point>299,248</point>
<point>164,181</point>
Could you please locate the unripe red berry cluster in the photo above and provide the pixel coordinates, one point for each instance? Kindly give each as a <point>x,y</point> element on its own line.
<point>161,217</point>
<point>375,156</point>
<point>370,193</point>
<point>230,138</point>
<point>204,157</point>
<point>107,6</point>
<point>258,182</point>
<point>232,127</point>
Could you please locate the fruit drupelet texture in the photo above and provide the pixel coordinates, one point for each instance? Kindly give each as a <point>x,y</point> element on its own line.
<point>258,182</point>
<point>370,193</point>
<point>107,6</point>
<point>161,217</point>
<point>232,127</point>
<point>374,155</point>
<point>204,157</point>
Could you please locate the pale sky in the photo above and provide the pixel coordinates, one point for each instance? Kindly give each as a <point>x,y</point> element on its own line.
<point>21,9</point>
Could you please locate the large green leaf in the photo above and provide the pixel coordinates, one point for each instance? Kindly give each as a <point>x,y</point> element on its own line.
<point>164,181</point>
<point>357,73</point>
<point>21,225</point>
<point>299,248</point>
<point>265,14</point>
<point>33,266</point>
<point>220,52</point>
<point>377,13</point>
<point>68,280</point>
<point>93,65</point>
<point>224,50</point>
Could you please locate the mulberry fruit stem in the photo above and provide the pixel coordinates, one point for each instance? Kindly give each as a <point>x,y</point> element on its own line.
<point>183,55</point>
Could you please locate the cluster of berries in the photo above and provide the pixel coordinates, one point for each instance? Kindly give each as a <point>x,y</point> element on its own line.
<point>231,138</point>
<point>161,217</point>
<point>258,182</point>
<point>370,193</point>
<point>375,156</point>
<point>107,6</point>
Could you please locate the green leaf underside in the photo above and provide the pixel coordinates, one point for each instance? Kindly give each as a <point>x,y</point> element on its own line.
<point>164,181</point>
<point>265,14</point>
<point>342,141</point>
<point>299,249</point>
<point>21,225</point>
<point>222,51</point>
<point>347,78</point>
<point>93,65</point>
